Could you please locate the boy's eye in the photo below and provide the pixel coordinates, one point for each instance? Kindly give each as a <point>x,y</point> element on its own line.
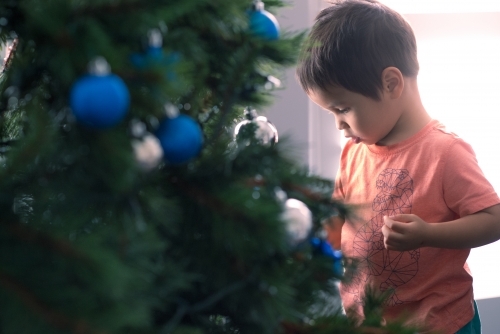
<point>337,111</point>
<point>340,111</point>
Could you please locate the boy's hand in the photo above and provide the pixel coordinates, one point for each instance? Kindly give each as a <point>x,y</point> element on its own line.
<point>404,232</point>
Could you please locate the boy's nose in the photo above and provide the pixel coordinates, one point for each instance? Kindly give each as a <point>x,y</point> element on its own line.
<point>341,125</point>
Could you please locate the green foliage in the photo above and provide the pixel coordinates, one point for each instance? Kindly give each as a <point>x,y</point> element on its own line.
<point>92,243</point>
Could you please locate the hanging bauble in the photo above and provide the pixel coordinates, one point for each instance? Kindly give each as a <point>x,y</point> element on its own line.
<point>298,219</point>
<point>262,23</point>
<point>322,247</point>
<point>155,43</point>
<point>171,60</point>
<point>154,52</point>
<point>100,99</point>
<point>181,138</point>
<point>265,133</point>
<point>148,152</point>
<point>155,56</point>
<point>147,148</point>
<point>272,83</point>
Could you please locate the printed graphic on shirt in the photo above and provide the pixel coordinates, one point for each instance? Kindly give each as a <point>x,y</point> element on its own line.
<point>390,269</point>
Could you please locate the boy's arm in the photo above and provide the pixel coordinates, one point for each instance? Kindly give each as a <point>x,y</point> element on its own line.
<point>406,231</point>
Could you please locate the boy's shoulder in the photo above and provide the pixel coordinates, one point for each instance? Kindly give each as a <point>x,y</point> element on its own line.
<point>442,128</point>
<point>435,134</point>
<point>443,140</point>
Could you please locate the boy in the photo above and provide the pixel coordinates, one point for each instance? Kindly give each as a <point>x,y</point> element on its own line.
<point>421,201</point>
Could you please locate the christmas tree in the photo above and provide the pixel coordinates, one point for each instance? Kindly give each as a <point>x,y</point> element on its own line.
<point>141,191</point>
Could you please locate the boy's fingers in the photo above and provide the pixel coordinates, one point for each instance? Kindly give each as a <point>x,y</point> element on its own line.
<point>398,227</point>
<point>385,231</point>
<point>394,225</point>
<point>391,239</point>
<point>388,222</point>
<point>404,218</point>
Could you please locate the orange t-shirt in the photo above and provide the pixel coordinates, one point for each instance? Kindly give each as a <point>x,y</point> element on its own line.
<point>434,175</point>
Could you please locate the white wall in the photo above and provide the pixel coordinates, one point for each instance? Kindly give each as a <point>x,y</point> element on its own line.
<point>312,132</point>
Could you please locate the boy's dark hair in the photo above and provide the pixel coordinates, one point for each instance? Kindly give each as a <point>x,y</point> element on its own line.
<point>350,45</point>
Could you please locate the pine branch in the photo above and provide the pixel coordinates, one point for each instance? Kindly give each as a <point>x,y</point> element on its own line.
<point>307,193</point>
<point>204,199</point>
<point>11,55</point>
<point>130,7</point>
<point>294,328</point>
<point>47,242</point>
<point>230,96</point>
<point>113,8</point>
<point>52,317</point>
<point>7,143</point>
<point>211,300</point>
<point>373,330</point>
<point>205,304</point>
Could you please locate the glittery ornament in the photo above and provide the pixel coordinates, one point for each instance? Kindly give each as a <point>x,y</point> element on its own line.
<point>266,133</point>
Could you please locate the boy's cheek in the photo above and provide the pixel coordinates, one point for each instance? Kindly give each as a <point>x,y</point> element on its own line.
<point>333,228</point>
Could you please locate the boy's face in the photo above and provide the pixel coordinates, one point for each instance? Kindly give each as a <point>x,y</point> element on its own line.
<point>361,118</point>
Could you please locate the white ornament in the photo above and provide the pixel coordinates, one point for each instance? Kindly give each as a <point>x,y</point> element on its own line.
<point>148,152</point>
<point>298,220</point>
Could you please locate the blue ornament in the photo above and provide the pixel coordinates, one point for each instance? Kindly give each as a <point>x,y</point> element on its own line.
<point>322,247</point>
<point>99,100</point>
<point>155,56</point>
<point>262,23</point>
<point>181,139</point>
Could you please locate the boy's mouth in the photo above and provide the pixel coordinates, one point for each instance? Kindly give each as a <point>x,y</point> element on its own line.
<point>356,140</point>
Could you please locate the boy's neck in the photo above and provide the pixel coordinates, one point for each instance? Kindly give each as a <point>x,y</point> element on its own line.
<point>413,117</point>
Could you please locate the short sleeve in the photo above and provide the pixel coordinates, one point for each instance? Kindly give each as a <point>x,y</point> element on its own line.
<point>465,188</point>
<point>338,192</point>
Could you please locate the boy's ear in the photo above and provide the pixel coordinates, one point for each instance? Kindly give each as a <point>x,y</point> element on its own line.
<point>393,82</point>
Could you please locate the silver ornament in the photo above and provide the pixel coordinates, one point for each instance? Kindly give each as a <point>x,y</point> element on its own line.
<point>266,132</point>
<point>99,66</point>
